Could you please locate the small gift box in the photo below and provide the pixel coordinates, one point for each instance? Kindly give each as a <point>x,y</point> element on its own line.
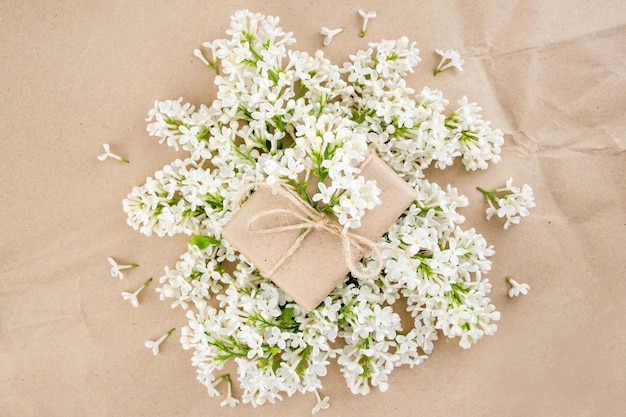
<point>304,251</point>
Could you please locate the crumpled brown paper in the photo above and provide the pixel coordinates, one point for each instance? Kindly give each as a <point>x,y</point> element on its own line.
<point>74,75</point>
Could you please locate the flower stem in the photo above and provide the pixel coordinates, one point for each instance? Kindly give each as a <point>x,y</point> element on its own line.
<point>489,195</point>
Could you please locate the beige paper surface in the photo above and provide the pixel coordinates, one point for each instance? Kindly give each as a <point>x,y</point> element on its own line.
<point>74,75</point>
<point>318,264</point>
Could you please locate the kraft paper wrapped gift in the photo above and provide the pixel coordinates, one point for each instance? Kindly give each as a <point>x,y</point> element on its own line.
<point>318,261</point>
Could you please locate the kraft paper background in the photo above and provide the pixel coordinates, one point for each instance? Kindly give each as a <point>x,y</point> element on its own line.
<point>77,74</point>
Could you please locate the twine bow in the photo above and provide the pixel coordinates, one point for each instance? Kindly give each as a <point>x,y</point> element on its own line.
<point>307,218</point>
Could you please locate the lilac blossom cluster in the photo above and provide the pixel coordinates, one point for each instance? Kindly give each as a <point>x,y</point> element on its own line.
<point>289,117</point>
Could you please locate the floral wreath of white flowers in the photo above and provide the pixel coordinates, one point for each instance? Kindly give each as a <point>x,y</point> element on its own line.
<point>287,117</point>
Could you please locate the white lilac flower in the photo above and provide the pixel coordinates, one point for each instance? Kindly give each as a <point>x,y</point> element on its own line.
<point>472,137</point>
<point>154,345</point>
<point>213,65</point>
<point>329,34</point>
<point>292,170</point>
<point>366,17</point>
<point>132,296</point>
<point>325,193</point>
<point>229,400</point>
<point>510,202</point>
<point>322,403</point>
<point>517,288</point>
<point>108,154</point>
<point>449,59</point>
<point>168,116</point>
<point>116,269</point>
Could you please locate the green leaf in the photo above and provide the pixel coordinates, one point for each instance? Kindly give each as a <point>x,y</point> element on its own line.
<point>203,241</point>
<point>301,367</point>
<point>287,315</point>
